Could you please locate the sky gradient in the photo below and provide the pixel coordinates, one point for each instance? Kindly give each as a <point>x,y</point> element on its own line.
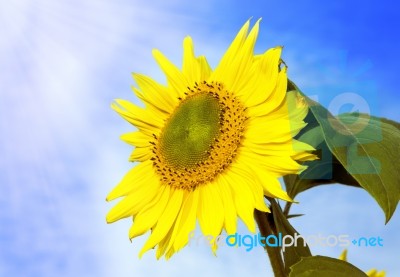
<point>62,64</point>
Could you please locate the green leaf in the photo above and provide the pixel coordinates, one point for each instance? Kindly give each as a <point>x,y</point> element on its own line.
<point>366,152</point>
<point>385,120</point>
<point>373,158</point>
<point>326,170</point>
<point>320,266</point>
<point>292,254</point>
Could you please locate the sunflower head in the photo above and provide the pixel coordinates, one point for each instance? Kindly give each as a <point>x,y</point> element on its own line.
<point>371,273</point>
<point>209,145</point>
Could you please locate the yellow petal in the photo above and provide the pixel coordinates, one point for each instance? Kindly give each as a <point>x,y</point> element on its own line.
<point>230,55</point>
<point>343,255</point>
<point>205,69</point>
<point>275,99</point>
<point>375,273</point>
<point>304,156</point>
<point>141,154</point>
<point>143,119</point>
<point>166,220</point>
<point>291,148</point>
<point>150,213</point>
<point>138,139</point>
<point>277,165</point>
<point>254,187</point>
<point>210,212</point>
<point>136,200</point>
<point>295,107</point>
<point>186,222</point>
<point>133,180</point>
<point>155,94</point>
<point>243,198</point>
<point>163,244</point>
<point>239,71</point>
<point>261,130</point>
<point>263,79</point>
<point>191,67</point>
<point>271,185</point>
<point>226,194</point>
<point>175,77</point>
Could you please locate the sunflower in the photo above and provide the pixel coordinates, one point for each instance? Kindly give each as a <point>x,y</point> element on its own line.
<point>209,145</point>
<point>371,273</point>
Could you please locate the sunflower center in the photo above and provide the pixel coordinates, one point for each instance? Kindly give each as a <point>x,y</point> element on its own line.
<point>201,138</point>
<point>189,133</point>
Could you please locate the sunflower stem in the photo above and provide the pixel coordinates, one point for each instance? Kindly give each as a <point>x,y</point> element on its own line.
<point>267,227</point>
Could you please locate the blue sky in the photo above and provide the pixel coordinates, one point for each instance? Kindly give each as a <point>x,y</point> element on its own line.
<point>62,63</point>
